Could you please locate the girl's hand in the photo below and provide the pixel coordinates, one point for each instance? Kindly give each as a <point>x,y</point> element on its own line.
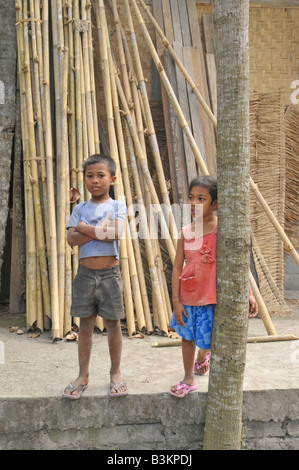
<point>179,311</point>
<point>253,307</point>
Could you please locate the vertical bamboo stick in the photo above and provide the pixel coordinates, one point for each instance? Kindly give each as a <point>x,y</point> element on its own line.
<point>125,174</point>
<point>52,253</point>
<point>29,208</point>
<point>72,99</point>
<point>79,118</point>
<point>86,71</point>
<point>136,287</point>
<point>141,157</point>
<point>92,80</point>
<point>149,122</point>
<point>114,153</point>
<point>32,164</point>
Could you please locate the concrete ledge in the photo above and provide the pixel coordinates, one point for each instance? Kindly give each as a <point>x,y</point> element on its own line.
<point>140,422</point>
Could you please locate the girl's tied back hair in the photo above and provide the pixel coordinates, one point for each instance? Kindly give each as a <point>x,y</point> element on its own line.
<point>208,182</point>
<point>100,158</point>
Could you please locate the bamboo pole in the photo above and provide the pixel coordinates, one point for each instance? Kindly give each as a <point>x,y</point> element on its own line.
<point>79,119</point>
<point>71,98</point>
<point>145,170</point>
<point>122,151</point>
<point>52,254</point>
<point>86,71</point>
<point>250,339</point>
<point>92,80</point>
<point>135,260</point>
<point>31,300</point>
<point>156,288</point>
<point>33,170</point>
<point>149,121</point>
<point>122,159</point>
<point>262,307</point>
<point>114,154</point>
<point>38,109</point>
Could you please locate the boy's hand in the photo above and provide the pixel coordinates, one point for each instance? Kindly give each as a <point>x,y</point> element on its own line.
<point>82,226</point>
<point>179,311</point>
<point>253,307</point>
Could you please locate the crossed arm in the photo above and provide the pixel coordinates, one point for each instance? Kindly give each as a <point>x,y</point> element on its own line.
<point>84,233</point>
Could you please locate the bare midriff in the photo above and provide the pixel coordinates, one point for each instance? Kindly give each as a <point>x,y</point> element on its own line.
<point>99,262</point>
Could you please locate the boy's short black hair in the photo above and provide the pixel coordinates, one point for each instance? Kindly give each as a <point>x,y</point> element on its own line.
<point>208,182</point>
<point>100,158</point>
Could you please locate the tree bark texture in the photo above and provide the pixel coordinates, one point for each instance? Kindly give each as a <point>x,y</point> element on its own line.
<point>224,405</point>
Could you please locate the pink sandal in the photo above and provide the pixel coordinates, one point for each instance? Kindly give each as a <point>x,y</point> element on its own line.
<point>186,389</point>
<point>200,365</point>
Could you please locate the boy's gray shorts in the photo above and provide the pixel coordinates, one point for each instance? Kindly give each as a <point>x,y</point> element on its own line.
<point>98,292</point>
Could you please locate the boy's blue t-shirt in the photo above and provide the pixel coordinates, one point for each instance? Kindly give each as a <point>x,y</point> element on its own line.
<point>93,213</point>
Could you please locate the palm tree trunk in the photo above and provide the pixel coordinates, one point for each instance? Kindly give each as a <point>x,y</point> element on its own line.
<point>224,404</point>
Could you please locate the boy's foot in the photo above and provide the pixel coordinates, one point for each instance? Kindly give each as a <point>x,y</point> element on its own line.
<point>118,390</point>
<point>201,367</point>
<point>74,391</point>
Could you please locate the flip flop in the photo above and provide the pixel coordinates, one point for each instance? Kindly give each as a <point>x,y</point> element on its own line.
<point>117,387</point>
<point>185,387</point>
<point>72,388</point>
<point>200,365</point>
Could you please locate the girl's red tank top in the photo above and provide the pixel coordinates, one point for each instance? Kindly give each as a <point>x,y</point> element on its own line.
<point>198,278</point>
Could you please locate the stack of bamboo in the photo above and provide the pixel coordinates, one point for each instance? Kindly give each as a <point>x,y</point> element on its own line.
<point>60,129</point>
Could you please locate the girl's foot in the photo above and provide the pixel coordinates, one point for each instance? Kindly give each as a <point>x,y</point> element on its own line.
<point>202,364</point>
<point>182,389</point>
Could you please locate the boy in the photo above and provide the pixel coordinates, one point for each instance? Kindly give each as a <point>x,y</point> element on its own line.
<point>96,226</point>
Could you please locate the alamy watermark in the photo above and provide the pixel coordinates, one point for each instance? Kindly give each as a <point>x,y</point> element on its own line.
<point>156,221</point>
<point>295,94</point>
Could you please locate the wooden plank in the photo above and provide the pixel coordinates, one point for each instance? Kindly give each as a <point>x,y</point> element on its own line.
<point>184,103</point>
<point>207,126</point>
<point>176,21</point>
<point>159,13</point>
<point>178,162</point>
<point>208,41</point>
<point>168,27</point>
<point>174,134</point>
<point>194,107</point>
<point>185,28</point>
<point>212,81</point>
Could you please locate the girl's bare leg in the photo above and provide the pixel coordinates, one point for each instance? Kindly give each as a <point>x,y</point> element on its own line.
<point>188,351</point>
<point>84,350</point>
<point>115,349</point>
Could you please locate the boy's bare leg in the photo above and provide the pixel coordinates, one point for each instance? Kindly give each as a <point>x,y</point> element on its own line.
<point>84,350</point>
<point>115,349</point>
<point>188,351</point>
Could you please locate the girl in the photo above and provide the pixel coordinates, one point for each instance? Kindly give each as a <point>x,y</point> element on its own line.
<point>194,286</point>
